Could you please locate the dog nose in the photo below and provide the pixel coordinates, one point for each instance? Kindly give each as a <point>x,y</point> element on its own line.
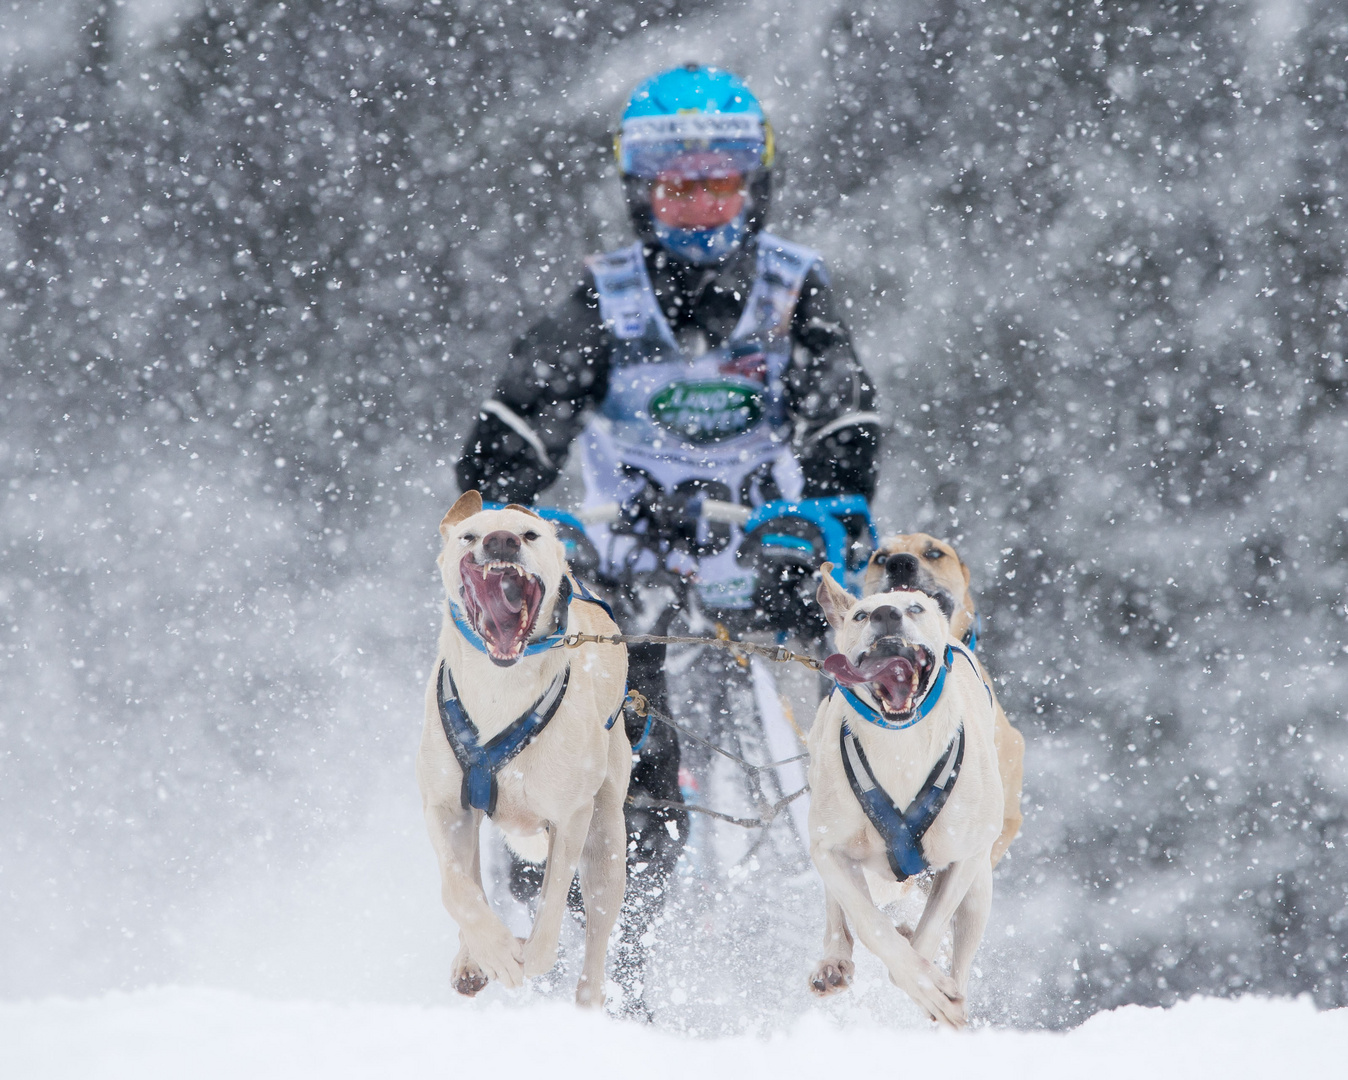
<point>888,620</point>
<point>901,569</point>
<point>501,545</point>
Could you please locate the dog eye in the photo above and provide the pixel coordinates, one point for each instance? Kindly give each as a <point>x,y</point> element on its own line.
<point>530,536</point>
<point>933,554</point>
<point>879,558</point>
<point>915,609</point>
<point>468,538</point>
<point>861,616</point>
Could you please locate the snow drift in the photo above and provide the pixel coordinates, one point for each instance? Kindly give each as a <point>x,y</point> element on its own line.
<point>177,1032</point>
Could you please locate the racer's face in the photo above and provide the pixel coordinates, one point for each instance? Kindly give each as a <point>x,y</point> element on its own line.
<point>702,203</point>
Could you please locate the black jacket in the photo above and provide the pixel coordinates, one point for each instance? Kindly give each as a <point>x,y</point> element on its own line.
<point>558,371</point>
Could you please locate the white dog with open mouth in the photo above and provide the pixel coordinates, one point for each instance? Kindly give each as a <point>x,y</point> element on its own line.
<point>920,561</point>
<point>525,731</point>
<point>903,778</point>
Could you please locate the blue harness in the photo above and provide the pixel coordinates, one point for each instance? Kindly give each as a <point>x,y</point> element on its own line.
<point>901,830</point>
<point>479,763</point>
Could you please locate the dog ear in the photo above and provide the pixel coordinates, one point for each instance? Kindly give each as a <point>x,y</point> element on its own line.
<point>833,598</point>
<point>468,504</point>
<point>964,569</point>
<point>522,510</point>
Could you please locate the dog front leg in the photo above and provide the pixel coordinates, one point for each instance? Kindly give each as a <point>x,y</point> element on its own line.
<point>603,879</point>
<point>971,918</point>
<point>488,950</point>
<point>921,980</point>
<point>564,847</point>
<point>947,891</point>
<point>836,969</point>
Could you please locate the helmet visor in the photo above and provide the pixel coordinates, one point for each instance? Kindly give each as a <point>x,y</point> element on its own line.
<point>702,203</point>
<point>694,146</point>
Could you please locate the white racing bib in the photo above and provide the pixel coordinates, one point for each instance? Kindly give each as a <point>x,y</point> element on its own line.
<point>719,416</point>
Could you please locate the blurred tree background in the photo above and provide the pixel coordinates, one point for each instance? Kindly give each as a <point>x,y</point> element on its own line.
<point>258,261</point>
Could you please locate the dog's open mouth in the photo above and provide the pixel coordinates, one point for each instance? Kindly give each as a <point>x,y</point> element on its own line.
<point>896,671</point>
<point>502,601</point>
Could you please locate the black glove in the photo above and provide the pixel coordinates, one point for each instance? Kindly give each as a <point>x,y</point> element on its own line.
<point>673,518</point>
<point>785,555</point>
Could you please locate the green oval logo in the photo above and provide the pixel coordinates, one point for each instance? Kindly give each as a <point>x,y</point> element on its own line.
<point>704,412</point>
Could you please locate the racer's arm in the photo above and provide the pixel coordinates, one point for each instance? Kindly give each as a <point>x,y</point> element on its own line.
<point>555,372</point>
<point>831,399</point>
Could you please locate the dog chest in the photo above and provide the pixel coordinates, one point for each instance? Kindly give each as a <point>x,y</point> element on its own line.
<point>901,761</point>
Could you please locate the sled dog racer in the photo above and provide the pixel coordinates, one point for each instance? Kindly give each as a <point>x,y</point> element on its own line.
<point>705,359</point>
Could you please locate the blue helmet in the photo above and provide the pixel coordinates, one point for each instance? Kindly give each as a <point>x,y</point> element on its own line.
<point>695,123</point>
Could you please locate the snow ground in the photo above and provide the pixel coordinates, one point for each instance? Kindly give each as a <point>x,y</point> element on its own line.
<point>178,1032</point>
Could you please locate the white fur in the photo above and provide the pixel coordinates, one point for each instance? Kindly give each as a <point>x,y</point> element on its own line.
<point>958,846</point>
<point>943,569</point>
<point>562,796</point>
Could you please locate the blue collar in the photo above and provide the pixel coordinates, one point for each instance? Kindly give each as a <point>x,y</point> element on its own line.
<point>474,639</point>
<point>925,706</point>
<point>565,593</point>
<point>929,699</point>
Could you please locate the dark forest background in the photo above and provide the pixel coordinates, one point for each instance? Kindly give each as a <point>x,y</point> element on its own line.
<point>259,260</point>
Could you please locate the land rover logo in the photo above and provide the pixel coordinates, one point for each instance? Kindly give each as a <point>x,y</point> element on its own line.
<point>704,412</point>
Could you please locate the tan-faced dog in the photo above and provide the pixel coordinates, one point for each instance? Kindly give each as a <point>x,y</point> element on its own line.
<point>918,561</point>
<point>916,736</point>
<point>497,679</point>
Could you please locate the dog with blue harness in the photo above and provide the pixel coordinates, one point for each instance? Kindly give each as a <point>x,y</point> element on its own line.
<point>903,783</point>
<point>923,562</point>
<point>522,728</point>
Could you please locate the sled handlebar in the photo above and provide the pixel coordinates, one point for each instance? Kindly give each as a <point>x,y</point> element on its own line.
<point>727,513</point>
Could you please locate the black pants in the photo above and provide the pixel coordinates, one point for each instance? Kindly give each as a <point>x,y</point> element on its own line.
<point>655,838</point>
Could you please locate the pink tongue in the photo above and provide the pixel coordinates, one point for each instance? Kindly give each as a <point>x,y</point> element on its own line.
<point>893,671</point>
<point>511,593</point>
<point>498,601</point>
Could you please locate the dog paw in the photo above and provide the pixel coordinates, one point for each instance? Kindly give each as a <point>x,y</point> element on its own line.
<point>498,955</point>
<point>936,993</point>
<point>954,1014</point>
<point>540,957</point>
<point>832,976</point>
<point>469,979</point>
<point>588,995</point>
